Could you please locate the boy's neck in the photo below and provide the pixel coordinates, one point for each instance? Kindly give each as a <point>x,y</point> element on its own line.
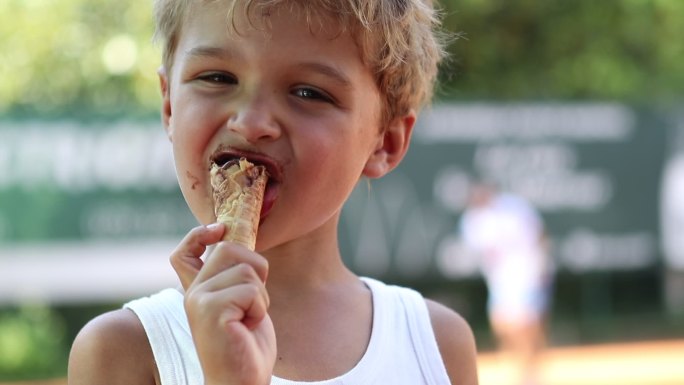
<point>308,263</point>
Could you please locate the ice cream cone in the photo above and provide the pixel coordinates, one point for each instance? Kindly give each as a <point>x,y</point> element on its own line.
<point>238,191</point>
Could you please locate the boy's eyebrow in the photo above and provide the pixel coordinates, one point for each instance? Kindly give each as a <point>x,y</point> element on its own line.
<point>209,51</point>
<point>329,71</point>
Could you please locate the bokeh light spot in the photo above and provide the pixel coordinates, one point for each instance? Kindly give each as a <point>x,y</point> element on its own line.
<point>120,54</point>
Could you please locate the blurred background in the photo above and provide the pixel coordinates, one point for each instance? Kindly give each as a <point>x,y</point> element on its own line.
<point>574,105</point>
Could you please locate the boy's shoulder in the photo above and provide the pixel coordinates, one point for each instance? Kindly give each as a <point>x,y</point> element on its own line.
<point>456,343</point>
<point>112,348</point>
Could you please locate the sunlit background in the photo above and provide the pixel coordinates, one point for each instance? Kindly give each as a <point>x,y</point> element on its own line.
<point>575,105</point>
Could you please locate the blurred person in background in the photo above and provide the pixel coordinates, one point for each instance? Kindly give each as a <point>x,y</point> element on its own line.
<point>672,225</point>
<point>507,234</point>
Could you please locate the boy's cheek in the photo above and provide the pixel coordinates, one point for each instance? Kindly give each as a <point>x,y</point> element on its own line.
<point>195,188</point>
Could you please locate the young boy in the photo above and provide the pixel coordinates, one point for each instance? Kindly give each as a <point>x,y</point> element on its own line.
<point>322,93</point>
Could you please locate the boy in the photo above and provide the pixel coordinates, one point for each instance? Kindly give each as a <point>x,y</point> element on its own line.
<point>321,93</point>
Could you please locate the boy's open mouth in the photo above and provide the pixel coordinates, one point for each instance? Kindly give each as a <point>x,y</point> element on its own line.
<point>223,158</point>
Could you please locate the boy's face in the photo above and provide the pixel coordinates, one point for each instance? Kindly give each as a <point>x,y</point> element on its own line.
<point>298,101</point>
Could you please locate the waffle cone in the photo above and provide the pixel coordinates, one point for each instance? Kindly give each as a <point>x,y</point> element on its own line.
<point>238,191</point>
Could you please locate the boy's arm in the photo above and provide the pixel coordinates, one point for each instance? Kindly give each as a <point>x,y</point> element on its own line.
<point>112,349</point>
<point>456,344</point>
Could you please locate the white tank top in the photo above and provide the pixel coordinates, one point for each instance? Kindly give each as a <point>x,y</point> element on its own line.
<point>402,348</point>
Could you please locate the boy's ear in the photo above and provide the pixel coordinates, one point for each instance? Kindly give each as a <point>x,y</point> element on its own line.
<point>391,147</point>
<point>166,101</point>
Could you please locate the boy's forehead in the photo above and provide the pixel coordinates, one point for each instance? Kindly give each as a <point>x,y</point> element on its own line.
<point>241,16</point>
<point>212,29</point>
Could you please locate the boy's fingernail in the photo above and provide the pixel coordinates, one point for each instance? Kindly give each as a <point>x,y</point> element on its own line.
<point>213,226</point>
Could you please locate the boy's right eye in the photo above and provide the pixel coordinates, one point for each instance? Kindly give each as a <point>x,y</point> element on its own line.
<point>217,78</point>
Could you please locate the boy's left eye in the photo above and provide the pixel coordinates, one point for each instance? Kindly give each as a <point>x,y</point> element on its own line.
<point>313,94</point>
<point>218,78</point>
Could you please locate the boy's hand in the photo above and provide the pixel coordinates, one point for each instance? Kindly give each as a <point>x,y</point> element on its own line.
<point>226,303</point>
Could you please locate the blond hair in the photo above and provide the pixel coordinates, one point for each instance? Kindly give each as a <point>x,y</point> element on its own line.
<point>399,40</point>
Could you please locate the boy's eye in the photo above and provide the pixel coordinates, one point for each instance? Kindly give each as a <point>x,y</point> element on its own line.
<point>313,94</point>
<point>218,78</point>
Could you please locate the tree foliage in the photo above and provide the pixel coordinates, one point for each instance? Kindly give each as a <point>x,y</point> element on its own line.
<point>96,55</point>
<point>627,50</point>
<point>32,343</point>
<point>77,55</point>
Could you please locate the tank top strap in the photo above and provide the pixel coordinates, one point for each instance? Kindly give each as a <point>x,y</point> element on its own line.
<point>166,325</point>
<point>410,307</point>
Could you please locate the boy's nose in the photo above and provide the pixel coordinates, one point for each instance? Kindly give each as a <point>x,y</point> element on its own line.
<point>255,121</point>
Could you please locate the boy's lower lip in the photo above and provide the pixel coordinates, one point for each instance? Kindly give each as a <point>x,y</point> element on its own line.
<point>270,196</point>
